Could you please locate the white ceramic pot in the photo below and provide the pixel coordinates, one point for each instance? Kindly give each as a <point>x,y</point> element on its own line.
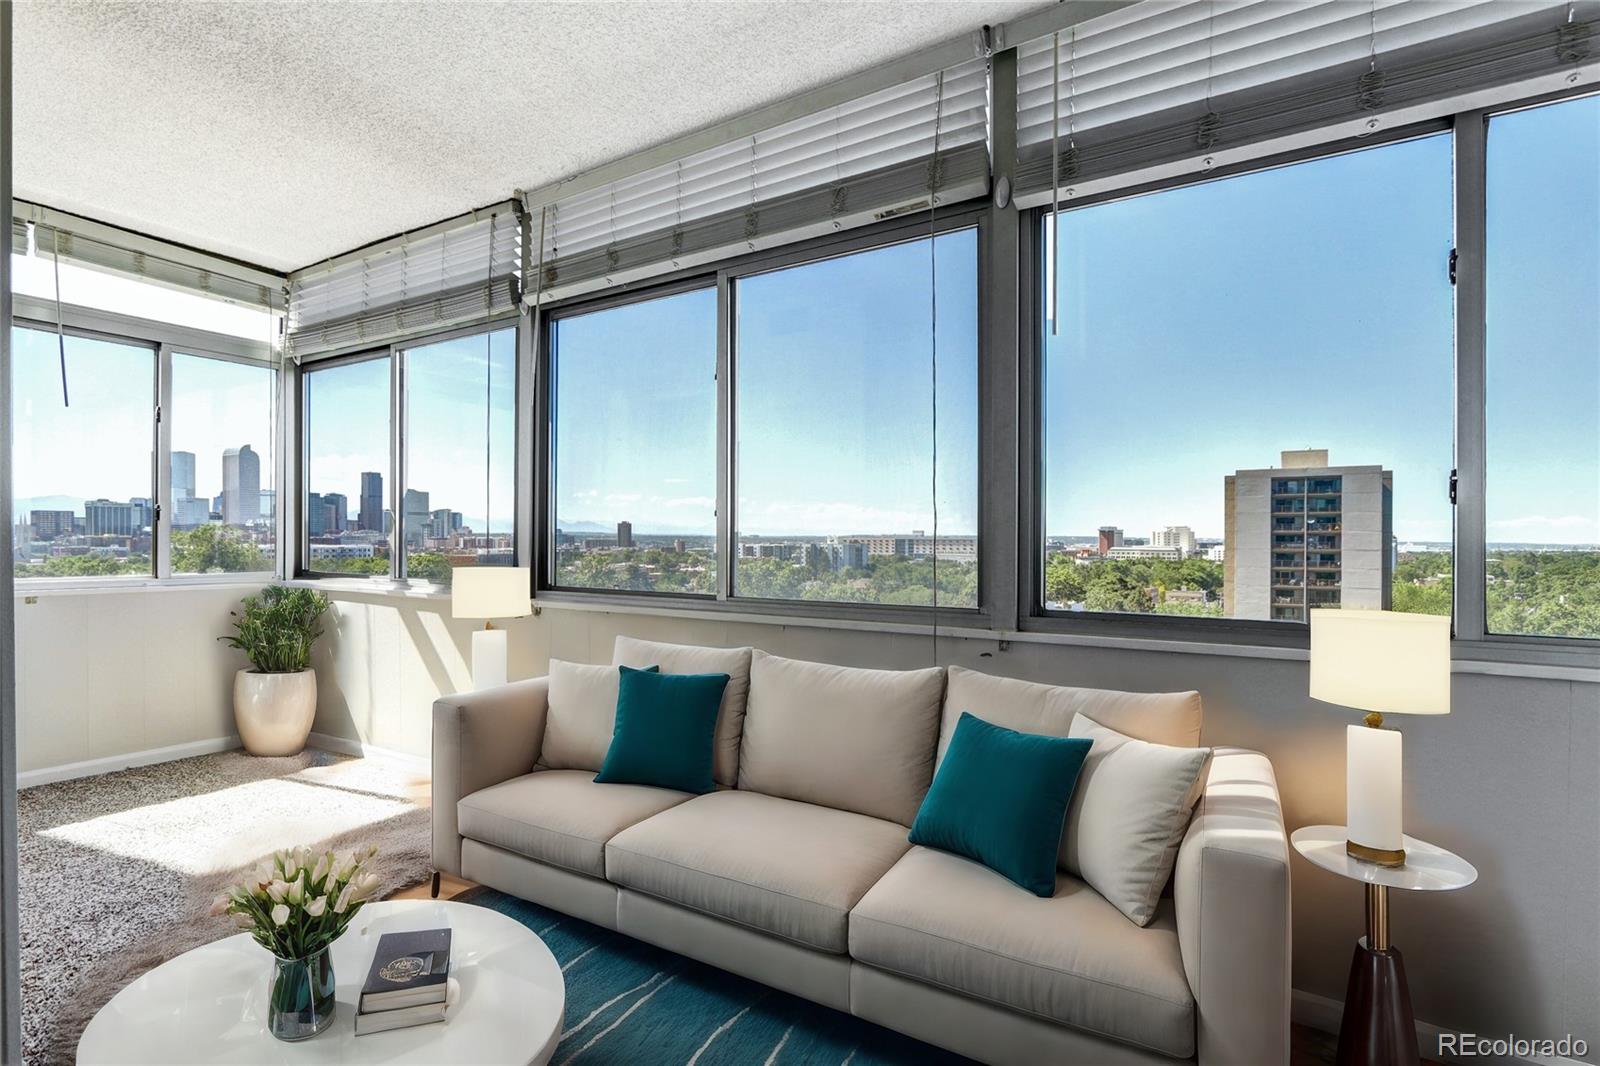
<point>274,711</point>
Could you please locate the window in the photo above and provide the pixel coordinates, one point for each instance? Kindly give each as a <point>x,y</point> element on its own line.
<point>1542,387</point>
<point>835,427</point>
<point>460,493</point>
<point>633,441</point>
<point>83,464</point>
<point>346,518</point>
<point>222,512</point>
<point>1247,401</point>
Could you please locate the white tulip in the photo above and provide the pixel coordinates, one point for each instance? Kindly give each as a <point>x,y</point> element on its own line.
<point>346,897</point>
<point>280,914</point>
<point>277,890</point>
<point>366,884</point>
<point>297,890</point>
<point>317,907</point>
<point>244,921</point>
<point>220,904</point>
<point>302,857</point>
<point>320,870</point>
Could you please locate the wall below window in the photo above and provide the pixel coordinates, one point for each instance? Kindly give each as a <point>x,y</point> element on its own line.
<point>1510,779</point>
<point>107,678</point>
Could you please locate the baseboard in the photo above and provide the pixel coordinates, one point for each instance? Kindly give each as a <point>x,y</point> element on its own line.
<point>113,763</point>
<point>1323,1014</point>
<point>346,746</point>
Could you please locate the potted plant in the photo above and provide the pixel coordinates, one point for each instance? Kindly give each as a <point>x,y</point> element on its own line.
<point>296,905</point>
<point>275,700</point>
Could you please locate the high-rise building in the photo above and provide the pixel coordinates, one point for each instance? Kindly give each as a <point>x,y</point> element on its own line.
<point>320,514</point>
<point>182,475</point>
<point>48,525</point>
<point>338,505</point>
<point>1306,534</point>
<point>108,517</point>
<point>190,511</point>
<point>416,517</point>
<point>370,513</point>
<point>443,522</point>
<point>144,513</point>
<point>1180,537</point>
<point>241,486</point>
<point>1110,537</point>
<point>624,534</point>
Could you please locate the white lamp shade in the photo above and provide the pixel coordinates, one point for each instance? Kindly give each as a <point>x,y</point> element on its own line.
<point>490,592</point>
<point>1385,661</point>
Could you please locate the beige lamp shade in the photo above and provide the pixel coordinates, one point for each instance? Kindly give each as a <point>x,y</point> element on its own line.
<point>490,592</point>
<point>1385,661</point>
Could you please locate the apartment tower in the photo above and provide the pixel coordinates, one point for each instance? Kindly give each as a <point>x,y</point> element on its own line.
<point>1306,534</point>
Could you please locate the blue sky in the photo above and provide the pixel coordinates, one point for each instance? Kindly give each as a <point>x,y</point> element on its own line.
<point>1203,330</point>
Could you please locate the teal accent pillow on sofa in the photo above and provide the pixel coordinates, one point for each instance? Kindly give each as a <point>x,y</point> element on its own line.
<point>1001,797</point>
<point>665,730</point>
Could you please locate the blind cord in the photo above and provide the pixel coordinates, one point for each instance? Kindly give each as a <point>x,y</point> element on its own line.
<point>933,361</point>
<point>61,334</point>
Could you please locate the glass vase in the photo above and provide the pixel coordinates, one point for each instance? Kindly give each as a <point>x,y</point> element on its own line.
<point>302,1003</point>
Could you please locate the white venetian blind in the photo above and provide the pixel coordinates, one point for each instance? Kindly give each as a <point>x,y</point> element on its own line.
<point>45,232</point>
<point>844,166</point>
<point>455,273</point>
<point>1168,80</point>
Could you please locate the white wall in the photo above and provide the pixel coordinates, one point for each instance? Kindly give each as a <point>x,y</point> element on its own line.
<point>106,674</point>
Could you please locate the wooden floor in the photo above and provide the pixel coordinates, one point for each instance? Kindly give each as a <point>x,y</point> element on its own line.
<point>1307,1047</point>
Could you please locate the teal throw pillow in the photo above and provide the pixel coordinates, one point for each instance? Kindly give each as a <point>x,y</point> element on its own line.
<point>665,730</point>
<point>1001,797</point>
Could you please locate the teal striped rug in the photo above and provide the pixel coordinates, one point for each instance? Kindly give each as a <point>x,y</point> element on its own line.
<point>629,1002</point>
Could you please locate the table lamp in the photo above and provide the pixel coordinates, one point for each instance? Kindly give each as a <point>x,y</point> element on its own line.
<point>490,592</point>
<point>1382,662</point>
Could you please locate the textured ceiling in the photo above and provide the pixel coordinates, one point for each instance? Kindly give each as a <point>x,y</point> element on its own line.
<point>284,133</point>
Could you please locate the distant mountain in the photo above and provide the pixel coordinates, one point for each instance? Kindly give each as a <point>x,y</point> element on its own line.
<point>58,502</point>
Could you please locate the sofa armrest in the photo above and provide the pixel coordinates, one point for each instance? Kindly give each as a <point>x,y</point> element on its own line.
<point>1231,889</point>
<point>481,739</point>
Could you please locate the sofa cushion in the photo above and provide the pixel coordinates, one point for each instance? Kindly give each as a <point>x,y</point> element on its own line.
<point>858,740</point>
<point>1128,816</point>
<point>1159,717</point>
<point>690,659</point>
<point>665,730</point>
<point>582,716</point>
<point>1001,797</point>
<point>561,817</point>
<point>1072,959</point>
<point>790,869</point>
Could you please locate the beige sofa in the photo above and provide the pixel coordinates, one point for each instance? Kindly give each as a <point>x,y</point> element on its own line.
<point>797,873</point>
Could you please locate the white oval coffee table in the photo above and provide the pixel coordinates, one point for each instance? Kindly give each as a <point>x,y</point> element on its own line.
<point>209,1005</point>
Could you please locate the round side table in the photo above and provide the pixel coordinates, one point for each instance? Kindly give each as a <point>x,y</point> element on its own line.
<point>1378,1026</point>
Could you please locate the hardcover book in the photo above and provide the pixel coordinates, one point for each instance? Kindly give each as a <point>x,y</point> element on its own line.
<point>408,970</point>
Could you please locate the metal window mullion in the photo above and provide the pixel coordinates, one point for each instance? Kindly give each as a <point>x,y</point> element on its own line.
<point>524,535</point>
<point>726,440</point>
<point>1008,550</point>
<point>286,508</point>
<point>398,547</point>
<point>160,540</point>
<point>1471,159</point>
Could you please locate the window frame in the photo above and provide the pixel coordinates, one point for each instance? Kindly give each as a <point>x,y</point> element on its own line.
<point>1470,641</point>
<point>912,226</point>
<point>163,339</point>
<point>394,489</point>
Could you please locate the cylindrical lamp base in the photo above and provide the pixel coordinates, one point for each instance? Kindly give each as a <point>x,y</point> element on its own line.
<point>488,658</point>
<point>1372,796</point>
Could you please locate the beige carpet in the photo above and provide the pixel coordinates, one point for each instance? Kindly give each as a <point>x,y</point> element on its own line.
<point>118,871</point>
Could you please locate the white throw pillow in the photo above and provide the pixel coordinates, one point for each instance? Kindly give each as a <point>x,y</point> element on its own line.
<point>582,715</point>
<point>1128,815</point>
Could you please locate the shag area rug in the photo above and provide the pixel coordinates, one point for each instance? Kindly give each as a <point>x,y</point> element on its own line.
<point>632,1004</point>
<point>118,872</point>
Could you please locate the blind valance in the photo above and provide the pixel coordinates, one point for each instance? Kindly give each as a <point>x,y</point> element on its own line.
<point>45,232</point>
<point>842,166</point>
<point>455,273</point>
<point>1162,82</point>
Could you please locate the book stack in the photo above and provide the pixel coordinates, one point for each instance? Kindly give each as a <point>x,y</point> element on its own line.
<point>408,983</point>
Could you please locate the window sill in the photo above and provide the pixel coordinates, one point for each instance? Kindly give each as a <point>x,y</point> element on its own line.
<point>346,586</point>
<point>45,587</point>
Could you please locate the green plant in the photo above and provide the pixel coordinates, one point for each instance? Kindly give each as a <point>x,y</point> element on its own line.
<point>276,628</point>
